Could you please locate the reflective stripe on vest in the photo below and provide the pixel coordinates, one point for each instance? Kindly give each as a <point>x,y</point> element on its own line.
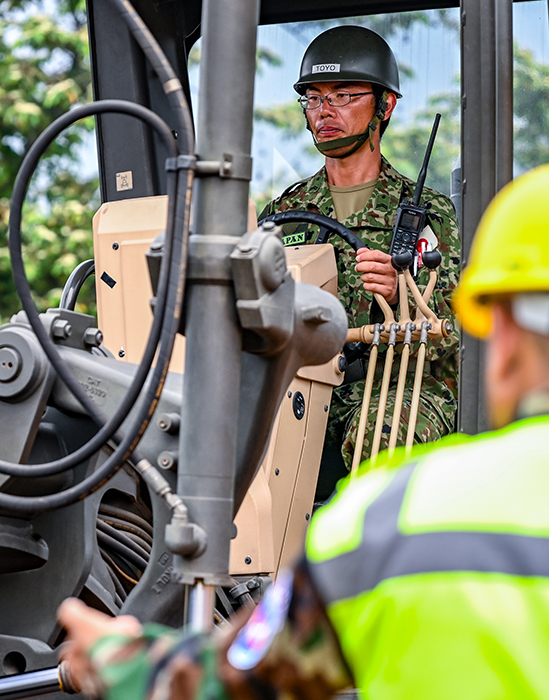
<point>384,552</point>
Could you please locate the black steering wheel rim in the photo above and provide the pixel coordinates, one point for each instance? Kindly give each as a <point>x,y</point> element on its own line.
<point>310,217</point>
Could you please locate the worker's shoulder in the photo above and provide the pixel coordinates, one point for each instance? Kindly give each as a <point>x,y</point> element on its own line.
<point>453,459</point>
<point>293,189</point>
<point>444,483</point>
<point>491,482</point>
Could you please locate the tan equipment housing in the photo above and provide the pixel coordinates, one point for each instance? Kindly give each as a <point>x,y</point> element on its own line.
<point>272,520</point>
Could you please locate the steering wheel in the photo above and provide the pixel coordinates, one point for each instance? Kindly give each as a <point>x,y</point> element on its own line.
<point>325,222</point>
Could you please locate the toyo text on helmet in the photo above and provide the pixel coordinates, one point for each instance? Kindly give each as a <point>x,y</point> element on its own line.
<point>326,68</point>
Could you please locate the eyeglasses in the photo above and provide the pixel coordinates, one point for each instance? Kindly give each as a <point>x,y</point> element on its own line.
<point>338,98</point>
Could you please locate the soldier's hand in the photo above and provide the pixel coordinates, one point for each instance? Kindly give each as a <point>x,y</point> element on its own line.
<point>377,273</point>
<point>85,626</point>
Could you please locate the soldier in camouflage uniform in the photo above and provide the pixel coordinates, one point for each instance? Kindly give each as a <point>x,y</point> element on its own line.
<point>335,111</point>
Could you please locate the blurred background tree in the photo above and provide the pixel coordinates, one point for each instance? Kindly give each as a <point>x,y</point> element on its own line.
<point>44,71</point>
<point>531,97</point>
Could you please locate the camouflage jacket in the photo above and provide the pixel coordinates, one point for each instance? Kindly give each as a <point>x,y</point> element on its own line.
<point>374,225</point>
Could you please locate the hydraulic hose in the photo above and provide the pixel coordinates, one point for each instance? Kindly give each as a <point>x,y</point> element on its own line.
<point>311,217</point>
<point>165,73</point>
<point>176,277</point>
<point>74,284</point>
<point>123,539</point>
<point>106,512</point>
<point>171,289</point>
<point>131,530</point>
<point>104,540</point>
<point>27,169</point>
<point>24,505</point>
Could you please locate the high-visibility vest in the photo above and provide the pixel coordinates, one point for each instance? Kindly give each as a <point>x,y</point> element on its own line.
<point>435,575</point>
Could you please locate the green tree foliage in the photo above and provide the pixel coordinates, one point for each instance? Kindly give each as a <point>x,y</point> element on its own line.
<point>44,71</point>
<point>405,144</point>
<point>531,97</point>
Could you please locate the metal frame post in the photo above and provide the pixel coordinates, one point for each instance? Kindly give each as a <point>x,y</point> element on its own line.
<point>487,156</point>
<point>213,346</point>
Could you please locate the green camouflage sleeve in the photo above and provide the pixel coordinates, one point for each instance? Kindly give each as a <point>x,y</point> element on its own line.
<point>288,648</point>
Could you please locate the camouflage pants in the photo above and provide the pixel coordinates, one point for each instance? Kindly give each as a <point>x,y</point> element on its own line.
<point>345,412</point>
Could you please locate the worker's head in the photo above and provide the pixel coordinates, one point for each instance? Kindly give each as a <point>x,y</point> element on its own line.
<point>503,296</point>
<point>338,67</point>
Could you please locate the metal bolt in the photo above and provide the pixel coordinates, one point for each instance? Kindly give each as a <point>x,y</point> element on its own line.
<point>307,516</point>
<point>93,337</point>
<point>169,423</point>
<point>167,460</point>
<point>277,472</point>
<point>289,394</point>
<point>115,246</point>
<point>326,407</point>
<point>248,560</point>
<point>121,353</point>
<point>61,329</point>
<point>10,364</point>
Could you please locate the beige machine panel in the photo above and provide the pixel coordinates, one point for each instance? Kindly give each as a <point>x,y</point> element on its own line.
<point>291,465</point>
<point>122,234</point>
<point>273,518</point>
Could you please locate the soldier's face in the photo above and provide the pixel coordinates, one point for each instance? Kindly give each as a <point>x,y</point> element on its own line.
<point>329,122</point>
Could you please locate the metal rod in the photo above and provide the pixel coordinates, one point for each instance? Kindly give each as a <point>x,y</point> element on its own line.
<point>400,390</point>
<point>201,605</point>
<point>210,408</point>
<point>405,323</point>
<point>418,381</point>
<point>30,685</point>
<point>423,311</point>
<point>384,392</point>
<point>486,147</point>
<point>366,398</point>
<point>430,286</point>
<point>503,12</point>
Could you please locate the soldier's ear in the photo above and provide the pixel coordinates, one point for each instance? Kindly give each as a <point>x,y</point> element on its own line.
<point>391,104</point>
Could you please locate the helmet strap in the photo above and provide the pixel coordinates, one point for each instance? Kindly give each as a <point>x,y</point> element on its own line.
<point>357,139</point>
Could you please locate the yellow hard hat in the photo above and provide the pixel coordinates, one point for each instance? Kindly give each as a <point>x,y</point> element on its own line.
<point>510,251</point>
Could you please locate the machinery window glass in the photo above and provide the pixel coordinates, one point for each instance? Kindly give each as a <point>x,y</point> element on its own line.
<point>426,45</point>
<point>531,85</point>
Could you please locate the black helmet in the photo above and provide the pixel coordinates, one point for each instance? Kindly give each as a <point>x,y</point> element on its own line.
<point>349,53</point>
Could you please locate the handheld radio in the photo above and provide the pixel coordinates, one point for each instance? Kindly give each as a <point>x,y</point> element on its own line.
<point>411,216</point>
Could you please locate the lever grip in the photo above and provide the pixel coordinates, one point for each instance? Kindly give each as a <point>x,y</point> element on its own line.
<point>432,259</point>
<point>401,261</point>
